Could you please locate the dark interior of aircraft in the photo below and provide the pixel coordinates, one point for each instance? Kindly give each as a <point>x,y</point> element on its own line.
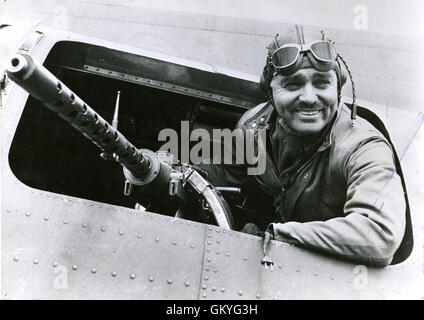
<point>48,154</point>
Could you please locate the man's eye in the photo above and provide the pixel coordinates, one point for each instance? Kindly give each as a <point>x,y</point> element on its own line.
<point>322,83</point>
<point>292,85</point>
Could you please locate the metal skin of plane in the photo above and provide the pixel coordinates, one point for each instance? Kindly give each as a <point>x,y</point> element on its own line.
<point>74,241</point>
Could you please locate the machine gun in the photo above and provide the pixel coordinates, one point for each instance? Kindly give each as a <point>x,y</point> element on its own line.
<point>141,167</point>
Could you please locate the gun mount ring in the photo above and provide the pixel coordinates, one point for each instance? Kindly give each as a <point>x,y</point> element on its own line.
<point>150,156</point>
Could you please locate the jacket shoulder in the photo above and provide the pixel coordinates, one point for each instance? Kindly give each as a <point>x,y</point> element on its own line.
<point>348,139</point>
<point>352,135</point>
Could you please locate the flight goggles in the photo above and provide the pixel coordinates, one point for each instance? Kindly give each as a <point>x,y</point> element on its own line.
<point>288,55</point>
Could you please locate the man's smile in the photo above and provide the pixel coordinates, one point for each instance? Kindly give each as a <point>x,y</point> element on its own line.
<point>308,112</point>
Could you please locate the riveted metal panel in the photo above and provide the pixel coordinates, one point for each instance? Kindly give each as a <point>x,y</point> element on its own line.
<point>167,86</point>
<point>58,247</point>
<point>296,273</point>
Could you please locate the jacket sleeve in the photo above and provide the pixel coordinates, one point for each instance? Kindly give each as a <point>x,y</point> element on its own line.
<point>373,224</point>
<point>220,175</point>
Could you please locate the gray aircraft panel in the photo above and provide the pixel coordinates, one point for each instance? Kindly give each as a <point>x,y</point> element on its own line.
<point>296,274</point>
<point>59,247</point>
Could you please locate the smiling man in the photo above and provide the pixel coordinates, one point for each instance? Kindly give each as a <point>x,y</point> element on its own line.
<point>306,101</point>
<point>330,183</point>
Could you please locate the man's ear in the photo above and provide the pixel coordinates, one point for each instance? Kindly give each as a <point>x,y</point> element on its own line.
<point>271,97</point>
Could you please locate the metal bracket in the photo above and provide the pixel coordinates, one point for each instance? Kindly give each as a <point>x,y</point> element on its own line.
<point>197,182</point>
<point>166,86</point>
<point>30,42</point>
<point>174,183</point>
<point>139,207</point>
<point>127,188</point>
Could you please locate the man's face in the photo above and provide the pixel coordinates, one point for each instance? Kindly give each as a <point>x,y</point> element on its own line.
<point>306,100</point>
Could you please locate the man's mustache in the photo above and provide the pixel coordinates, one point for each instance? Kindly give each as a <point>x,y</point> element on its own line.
<point>308,107</point>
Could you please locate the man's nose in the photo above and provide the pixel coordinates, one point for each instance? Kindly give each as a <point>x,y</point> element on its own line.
<point>308,95</point>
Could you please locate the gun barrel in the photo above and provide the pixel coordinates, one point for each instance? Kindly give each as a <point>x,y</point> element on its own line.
<point>44,86</point>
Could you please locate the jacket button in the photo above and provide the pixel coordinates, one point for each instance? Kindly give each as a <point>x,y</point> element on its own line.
<point>306,176</point>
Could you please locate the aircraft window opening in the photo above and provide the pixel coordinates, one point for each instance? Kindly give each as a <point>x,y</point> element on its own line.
<point>59,159</point>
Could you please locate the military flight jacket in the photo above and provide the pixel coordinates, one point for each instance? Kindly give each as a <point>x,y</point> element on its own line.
<point>345,200</point>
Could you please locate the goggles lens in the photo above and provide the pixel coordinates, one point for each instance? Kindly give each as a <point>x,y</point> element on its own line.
<point>323,51</point>
<point>286,56</point>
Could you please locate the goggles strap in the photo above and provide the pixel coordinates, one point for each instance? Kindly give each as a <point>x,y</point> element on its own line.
<point>276,43</point>
<point>300,34</point>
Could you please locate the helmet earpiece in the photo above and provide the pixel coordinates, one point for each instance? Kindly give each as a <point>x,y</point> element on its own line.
<point>341,75</point>
<point>265,79</point>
